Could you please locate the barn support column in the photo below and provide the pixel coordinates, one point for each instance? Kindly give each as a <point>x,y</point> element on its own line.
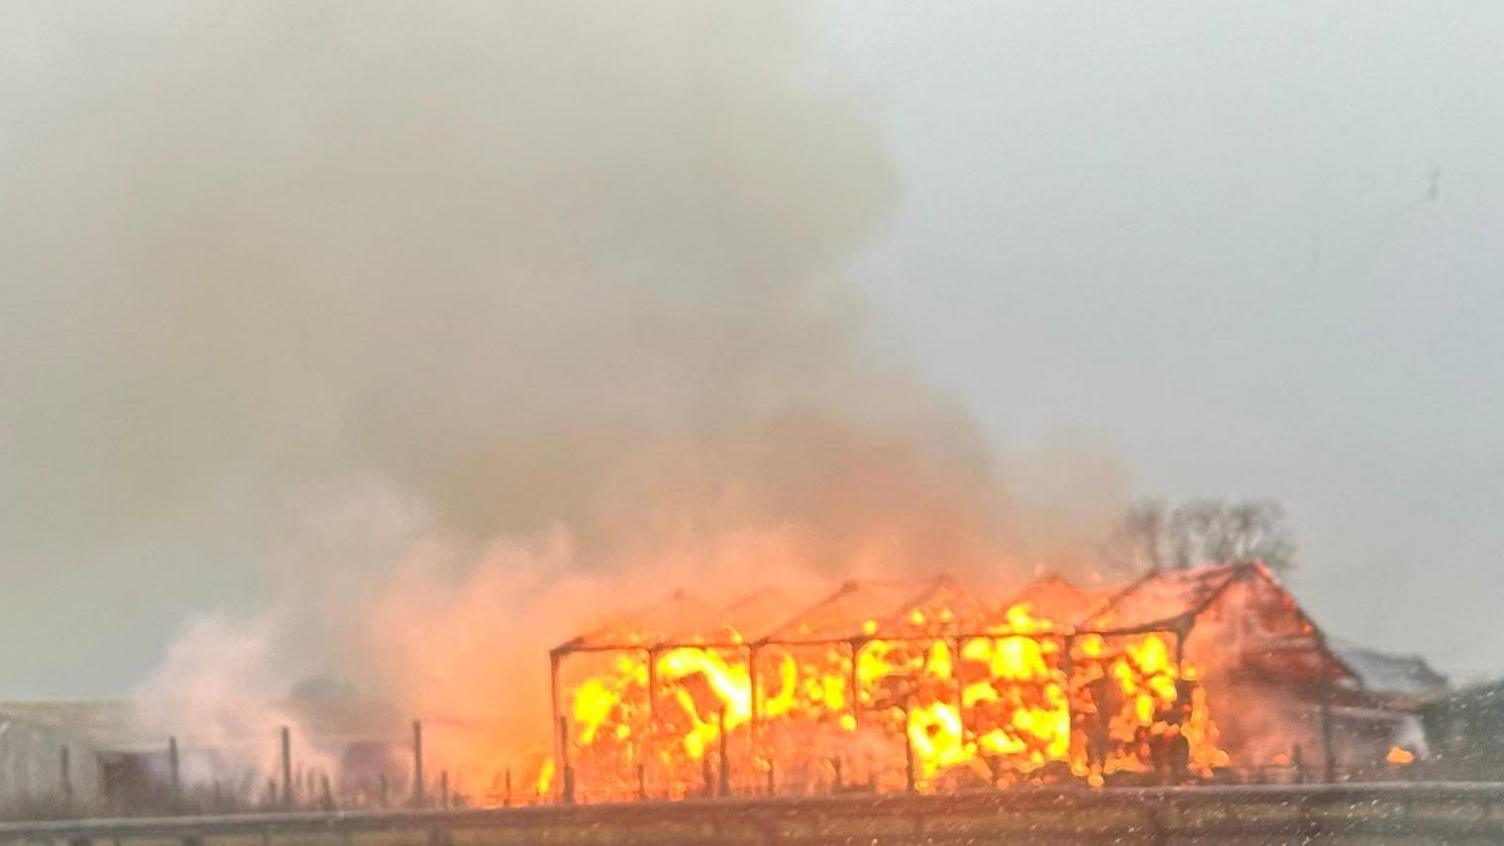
<point>651,656</point>
<point>1067,669</point>
<point>756,705</point>
<point>852,692</point>
<point>1180,752</point>
<point>955,673</point>
<point>554,657</point>
<point>754,718</point>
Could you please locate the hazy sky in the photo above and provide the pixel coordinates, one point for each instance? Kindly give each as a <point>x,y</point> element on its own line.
<point>1248,251</point>
<point>1260,247</point>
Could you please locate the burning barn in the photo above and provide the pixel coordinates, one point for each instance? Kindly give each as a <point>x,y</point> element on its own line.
<point>1210,673</point>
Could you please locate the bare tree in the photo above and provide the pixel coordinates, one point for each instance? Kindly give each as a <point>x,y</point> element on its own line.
<point>1152,535</point>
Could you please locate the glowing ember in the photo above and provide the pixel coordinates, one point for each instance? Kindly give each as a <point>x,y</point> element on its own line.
<point>1400,756</point>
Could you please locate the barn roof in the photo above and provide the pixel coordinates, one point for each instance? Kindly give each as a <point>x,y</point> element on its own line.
<point>103,726</point>
<point>1283,641</point>
<point>1055,598</point>
<point>1395,675</point>
<point>649,625</point>
<point>1274,634</point>
<point>1163,598</point>
<point>858,608</point>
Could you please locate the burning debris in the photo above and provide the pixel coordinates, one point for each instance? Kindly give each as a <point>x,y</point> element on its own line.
<point>1180,676</point>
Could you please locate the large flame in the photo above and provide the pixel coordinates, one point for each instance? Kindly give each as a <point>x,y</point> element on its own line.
<point>1023,700</point>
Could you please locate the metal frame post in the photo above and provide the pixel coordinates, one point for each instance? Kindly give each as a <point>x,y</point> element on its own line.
<point>911,779</point>
<point>554,658</point>
<point>566,772</point>
<point>652,659</point>
<point>854,693</point>
<point>1067,669</point>
<point>752,681</point>
<point>955,677</point>
<point>725,773</point>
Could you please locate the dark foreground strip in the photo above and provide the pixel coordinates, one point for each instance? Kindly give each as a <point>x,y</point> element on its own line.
<point>1423,811</point>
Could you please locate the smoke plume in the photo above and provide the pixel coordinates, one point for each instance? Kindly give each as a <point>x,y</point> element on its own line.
<point>507,310</point>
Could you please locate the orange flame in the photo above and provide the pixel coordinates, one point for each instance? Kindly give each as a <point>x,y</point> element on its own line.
<point>999,705</point>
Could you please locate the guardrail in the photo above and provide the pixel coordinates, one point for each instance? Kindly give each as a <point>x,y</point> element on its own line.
<point>1426,812</point>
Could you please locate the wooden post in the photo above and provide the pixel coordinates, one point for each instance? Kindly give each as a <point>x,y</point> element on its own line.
<point>508,800</point>
<point>286,768</point>
<point>173,782</point>
<point>382,786</point>
<point>772,779</point>
<point>1328,750</point>
<point>444,789</point>
<point>65,775</point>
<point>1297,760</point>
<point>642,782</point>
<point>418,798</point>
<point>326,790</point>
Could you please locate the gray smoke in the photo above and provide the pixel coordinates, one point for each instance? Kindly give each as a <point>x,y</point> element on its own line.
<point>542,268</point>
<point>528,260</point>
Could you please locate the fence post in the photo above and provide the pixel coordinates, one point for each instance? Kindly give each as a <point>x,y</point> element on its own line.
<point>174,785</point>
<point>65,773</point>
<point>1329,752</point>
<point>417,763</point>
<point>286,768</point>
